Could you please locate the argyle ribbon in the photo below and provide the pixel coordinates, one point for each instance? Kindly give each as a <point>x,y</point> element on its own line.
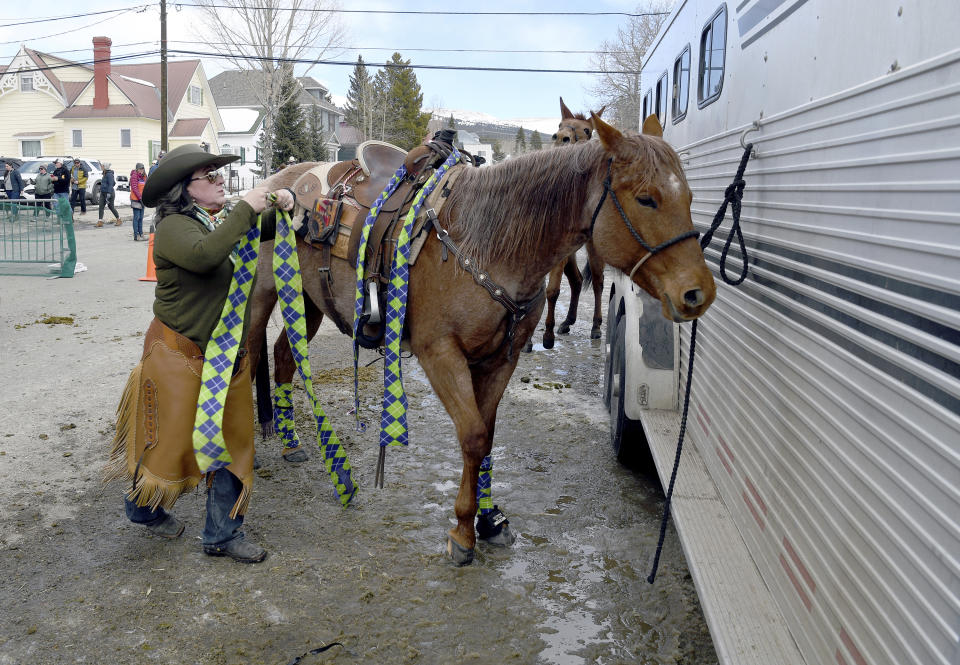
<point>283,416</point>
<point>484,484</point>
<point>219,357</point>
<point>286,273</point>
<point>359,293</point>
<point>393,417</point>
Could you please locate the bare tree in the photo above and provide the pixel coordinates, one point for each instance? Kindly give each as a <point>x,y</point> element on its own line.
<point>621,58</point>
<point>265,38</point>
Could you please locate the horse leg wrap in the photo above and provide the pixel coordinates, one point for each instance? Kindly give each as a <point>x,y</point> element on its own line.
<point>484,485</point>
<point>458,553</point>
<point>283,416</point>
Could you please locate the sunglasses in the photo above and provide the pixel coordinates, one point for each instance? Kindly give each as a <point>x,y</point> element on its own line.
<point>210,176</point>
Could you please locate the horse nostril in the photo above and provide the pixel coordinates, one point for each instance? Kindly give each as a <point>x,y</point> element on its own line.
<point>566,139</point>
<point>693,298</point>
<point>553,138</point>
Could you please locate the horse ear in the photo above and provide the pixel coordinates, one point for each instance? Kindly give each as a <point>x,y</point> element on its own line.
<point>602,109</point>
<point>609,135</point>
<point>565,113</point>
<point>651,126</point>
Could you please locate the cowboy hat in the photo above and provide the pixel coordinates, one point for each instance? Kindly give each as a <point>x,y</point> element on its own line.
<point>177,165</point>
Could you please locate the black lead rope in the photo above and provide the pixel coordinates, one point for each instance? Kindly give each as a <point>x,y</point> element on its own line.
<point>733,196</point>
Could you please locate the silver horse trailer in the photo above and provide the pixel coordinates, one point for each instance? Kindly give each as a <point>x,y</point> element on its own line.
<point>818,494</point>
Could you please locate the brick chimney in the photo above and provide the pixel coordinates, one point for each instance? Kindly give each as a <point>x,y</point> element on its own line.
<point>101,70</point>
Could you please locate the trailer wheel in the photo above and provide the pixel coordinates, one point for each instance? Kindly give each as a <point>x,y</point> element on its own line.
<point>612,319</point>
<point>626,435</point>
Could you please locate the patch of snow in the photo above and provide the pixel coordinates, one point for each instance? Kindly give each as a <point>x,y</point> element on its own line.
<point>238,119</point>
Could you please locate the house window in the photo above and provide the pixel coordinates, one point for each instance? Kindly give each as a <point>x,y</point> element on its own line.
<point>125,141</point>
<point>681,85</point>
<point>713,42</point>
<point>647,105</point>
<point>662,99</point>
<point>153,147</point>
<point>26,84</point>
<point>196,95</point>
<point>243,155</point>
<point>77,138</point>
<point>31,148</point>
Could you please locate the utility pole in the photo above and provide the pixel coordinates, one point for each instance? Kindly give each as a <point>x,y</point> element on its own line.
<point>163,75</point>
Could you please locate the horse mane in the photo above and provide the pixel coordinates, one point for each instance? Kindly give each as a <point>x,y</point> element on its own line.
<point>577,116</point>
<point>508,211</point>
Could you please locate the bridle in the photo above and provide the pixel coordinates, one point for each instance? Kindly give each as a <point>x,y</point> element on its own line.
<point>607,188</point>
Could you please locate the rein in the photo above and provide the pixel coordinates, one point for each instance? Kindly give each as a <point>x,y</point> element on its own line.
<point>608,189</point>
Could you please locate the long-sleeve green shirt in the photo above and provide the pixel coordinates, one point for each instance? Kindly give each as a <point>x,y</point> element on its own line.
<point>194,269</point>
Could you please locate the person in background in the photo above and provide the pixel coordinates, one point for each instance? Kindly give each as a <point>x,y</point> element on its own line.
<point>61,183</point>
<point>153,446</point>
<point>156,163</point>
<point>12,182</point>
<point>43,186</point>
<point>138,179</point>
<point>107,194</point>
<point>78,187</point>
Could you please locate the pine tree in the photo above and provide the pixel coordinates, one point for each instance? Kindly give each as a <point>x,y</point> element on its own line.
<point>498,153</point>
<point>451,123</point>
<point>536,143</point>
<point>520,142</point>
<point>290,131</point>
<point>361,108</point>
<point>318,144</point>
<point>400,99</point>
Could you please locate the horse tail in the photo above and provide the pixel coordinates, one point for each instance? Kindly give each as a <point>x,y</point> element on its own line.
<point>587,277</point>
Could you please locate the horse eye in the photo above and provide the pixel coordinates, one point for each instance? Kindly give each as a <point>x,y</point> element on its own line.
<point>647,202</point>
<point>587,132</point>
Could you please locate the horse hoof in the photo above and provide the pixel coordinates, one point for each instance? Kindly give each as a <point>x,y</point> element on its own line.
<point>459,554</point>
<point>494,528</point>
<point>595,333</point>
<point>563,328</point>
<point>529,347</point>
<point>548,342</point>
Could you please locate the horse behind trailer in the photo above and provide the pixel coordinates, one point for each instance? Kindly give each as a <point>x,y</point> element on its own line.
<point>508,225</point>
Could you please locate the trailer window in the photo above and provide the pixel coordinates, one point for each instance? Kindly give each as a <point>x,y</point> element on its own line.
<point>662,99</point>
<point>713,41</point>
<point>681,85</point>
<point>647,105</point>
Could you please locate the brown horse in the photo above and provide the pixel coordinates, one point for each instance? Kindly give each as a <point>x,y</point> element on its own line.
<point>573,128</point>
<point>515,221</point>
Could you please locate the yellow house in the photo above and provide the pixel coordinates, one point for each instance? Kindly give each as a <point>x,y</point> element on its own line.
<point>109,113</point>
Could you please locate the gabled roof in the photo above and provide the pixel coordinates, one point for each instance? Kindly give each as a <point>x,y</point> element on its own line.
<point>139,83</point>
<point>236,88</point>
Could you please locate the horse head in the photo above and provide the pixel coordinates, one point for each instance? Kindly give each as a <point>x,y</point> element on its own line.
<point>647,230</point>
<point>573,126</point>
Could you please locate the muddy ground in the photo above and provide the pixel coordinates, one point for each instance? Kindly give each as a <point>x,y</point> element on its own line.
<point>79,584</point>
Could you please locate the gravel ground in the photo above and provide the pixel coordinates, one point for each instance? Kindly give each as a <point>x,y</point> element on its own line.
<point>79,584</point>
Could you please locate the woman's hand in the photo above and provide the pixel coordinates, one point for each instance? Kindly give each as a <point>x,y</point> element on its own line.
<point>256,198</point>
<point>285,200</point>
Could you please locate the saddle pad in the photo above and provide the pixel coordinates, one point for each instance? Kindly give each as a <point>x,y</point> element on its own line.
<point>313,184</point>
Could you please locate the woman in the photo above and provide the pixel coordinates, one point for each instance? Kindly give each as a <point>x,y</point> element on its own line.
<point>107,195</point>
<point>153,446</point>
<point>43,186</point>
<point>138,179</point>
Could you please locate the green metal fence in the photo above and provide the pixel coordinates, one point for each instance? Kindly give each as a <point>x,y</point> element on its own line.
<point>35,240</point>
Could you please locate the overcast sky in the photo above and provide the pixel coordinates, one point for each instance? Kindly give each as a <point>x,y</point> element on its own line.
<point>505,95</point>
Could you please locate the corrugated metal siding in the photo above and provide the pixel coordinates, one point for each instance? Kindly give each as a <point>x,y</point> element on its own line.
<point>826,397</point>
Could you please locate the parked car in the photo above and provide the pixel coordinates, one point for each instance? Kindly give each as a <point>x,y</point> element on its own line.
<point>30,168</point>
<point>16,161</point>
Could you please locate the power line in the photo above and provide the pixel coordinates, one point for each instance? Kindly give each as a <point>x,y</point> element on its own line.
<point>64,18</point>
<point>67,32</point>
<point>390,64</point>
<point>428,13</point>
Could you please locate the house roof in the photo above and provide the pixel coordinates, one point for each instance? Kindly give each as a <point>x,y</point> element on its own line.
<point>189,127</point>
<point>349,135</point>
<point>139,83</point>
<point>241,88</point>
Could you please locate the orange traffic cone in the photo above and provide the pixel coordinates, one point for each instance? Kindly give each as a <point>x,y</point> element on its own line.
<point>151,275</point>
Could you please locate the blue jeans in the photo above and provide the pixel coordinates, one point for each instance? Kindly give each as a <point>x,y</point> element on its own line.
<point>79,198</point>
<point>220,528</point>
<point>137,222</point>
